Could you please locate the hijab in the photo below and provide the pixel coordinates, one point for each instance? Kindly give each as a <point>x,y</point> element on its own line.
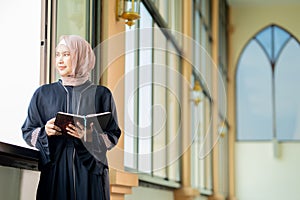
<point>82,59</point>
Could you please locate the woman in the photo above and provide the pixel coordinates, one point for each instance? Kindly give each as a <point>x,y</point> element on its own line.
<point>71,168</point>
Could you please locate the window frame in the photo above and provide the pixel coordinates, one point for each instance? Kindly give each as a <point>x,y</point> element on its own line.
<point>166,177</point>
<point>202,178</point>
<point>92,35</point>
<point>272,60</point>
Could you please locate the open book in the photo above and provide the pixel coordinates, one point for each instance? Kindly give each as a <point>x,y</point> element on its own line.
<point>100,120</point>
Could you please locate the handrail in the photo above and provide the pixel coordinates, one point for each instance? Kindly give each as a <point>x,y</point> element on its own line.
<point>18,157</point>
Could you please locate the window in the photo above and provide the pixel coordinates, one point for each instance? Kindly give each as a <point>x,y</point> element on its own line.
<point>79,18</point>
<point>20,65</point>
<point>152,107</point>
<point>171,11</point>
<point>201,157</point>
<point>266,83</point>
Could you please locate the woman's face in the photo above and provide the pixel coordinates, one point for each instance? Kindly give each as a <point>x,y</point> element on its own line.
<point>63,60</point>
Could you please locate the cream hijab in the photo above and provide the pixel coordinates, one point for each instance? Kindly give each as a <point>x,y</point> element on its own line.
<point>82,58</point>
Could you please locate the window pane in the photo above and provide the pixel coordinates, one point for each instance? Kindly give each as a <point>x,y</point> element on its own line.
<point>145,115</point>
<point>254,98</point>
<point>175,13</point>
<point>162,6</point>
<point>287,98</point>
<point>206,145</point>
<point>145,94</point>
<point>265,39</point>
<point>157,114</point>
<point>20,64</point>
<point>280,37</point>
<point>130,142</point>
<point>173,117</point>
<point>72,17</point>
<point>197,132</point>
<point>159,103</point>
<point>195,161</point>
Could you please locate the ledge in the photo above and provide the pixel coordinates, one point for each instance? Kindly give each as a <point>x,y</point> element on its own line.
<point>186,193</point>
<point>121,183</point>
<point>216,197</point>
<point>18,157</point>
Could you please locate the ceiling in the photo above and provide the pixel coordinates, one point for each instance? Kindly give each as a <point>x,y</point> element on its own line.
<point>261,2</point>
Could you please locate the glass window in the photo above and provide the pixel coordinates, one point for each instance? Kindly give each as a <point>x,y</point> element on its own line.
<point>201,121</point>
<point>131,97</point>
<point>201,166</point>
<point>254,97</point>
<point>145,93</point>
<point>72,18</point>
<point>159,103</point>
<point>20,64</point>
<point>170,11</point>
<point>267,104</point>
<point>151,102</point>
<point>78,18</point>
<point>287,98</point>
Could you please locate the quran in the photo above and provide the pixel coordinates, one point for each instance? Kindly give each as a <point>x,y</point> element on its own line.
<point>100,120</point>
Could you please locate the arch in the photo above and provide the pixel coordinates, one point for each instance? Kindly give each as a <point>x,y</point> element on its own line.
<point>271,41</point>
<point>249,40</point>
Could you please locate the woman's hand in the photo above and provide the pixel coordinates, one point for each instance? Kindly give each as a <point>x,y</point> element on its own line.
<point>79,131</point>
<point>52,129</point>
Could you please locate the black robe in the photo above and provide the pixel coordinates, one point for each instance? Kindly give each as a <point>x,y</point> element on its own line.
<point>71,169</point>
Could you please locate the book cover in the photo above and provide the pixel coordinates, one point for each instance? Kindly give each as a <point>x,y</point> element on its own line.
<point>100,120</point>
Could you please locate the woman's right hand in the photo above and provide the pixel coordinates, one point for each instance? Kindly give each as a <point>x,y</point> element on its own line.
<point>52,129</point>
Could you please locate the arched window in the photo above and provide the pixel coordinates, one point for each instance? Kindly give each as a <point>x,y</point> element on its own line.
<point>267,86</point>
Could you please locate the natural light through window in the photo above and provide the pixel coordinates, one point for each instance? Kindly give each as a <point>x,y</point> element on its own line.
<point>20,68</point>
<point>267,84</point>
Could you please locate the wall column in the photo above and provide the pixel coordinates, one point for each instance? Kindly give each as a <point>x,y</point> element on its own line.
<point>215,109</point>
<point>186,192</point>
<point>113,66</point>
<point>231,113</point>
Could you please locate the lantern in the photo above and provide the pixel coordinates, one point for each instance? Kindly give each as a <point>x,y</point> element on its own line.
<point>128,10</point>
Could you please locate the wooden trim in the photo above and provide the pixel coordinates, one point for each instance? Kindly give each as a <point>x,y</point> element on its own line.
<point>186,193</point>
<point>215,110</point>
<point>217,197</point>
<point>123,178</point>
<point>186,73</point>
<point>231,111</point>
<point>121,183</point>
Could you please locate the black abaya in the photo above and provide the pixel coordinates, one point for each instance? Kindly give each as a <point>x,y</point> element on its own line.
<point>70,169</point>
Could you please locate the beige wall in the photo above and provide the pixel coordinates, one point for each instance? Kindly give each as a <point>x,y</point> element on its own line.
<point>261,176</point>
<point>144,193</point>
<point>18,184</point>
<point>257,173</point>
<point>28,184</point>
<point>9,183</point>
<point>246,21</point>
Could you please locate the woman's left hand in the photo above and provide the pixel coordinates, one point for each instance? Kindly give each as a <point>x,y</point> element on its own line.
<point>79,131</point>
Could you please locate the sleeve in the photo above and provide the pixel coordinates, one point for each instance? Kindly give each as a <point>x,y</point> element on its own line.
<point>109,137</point>
<point>33,129</point>
<point>104,140</point>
